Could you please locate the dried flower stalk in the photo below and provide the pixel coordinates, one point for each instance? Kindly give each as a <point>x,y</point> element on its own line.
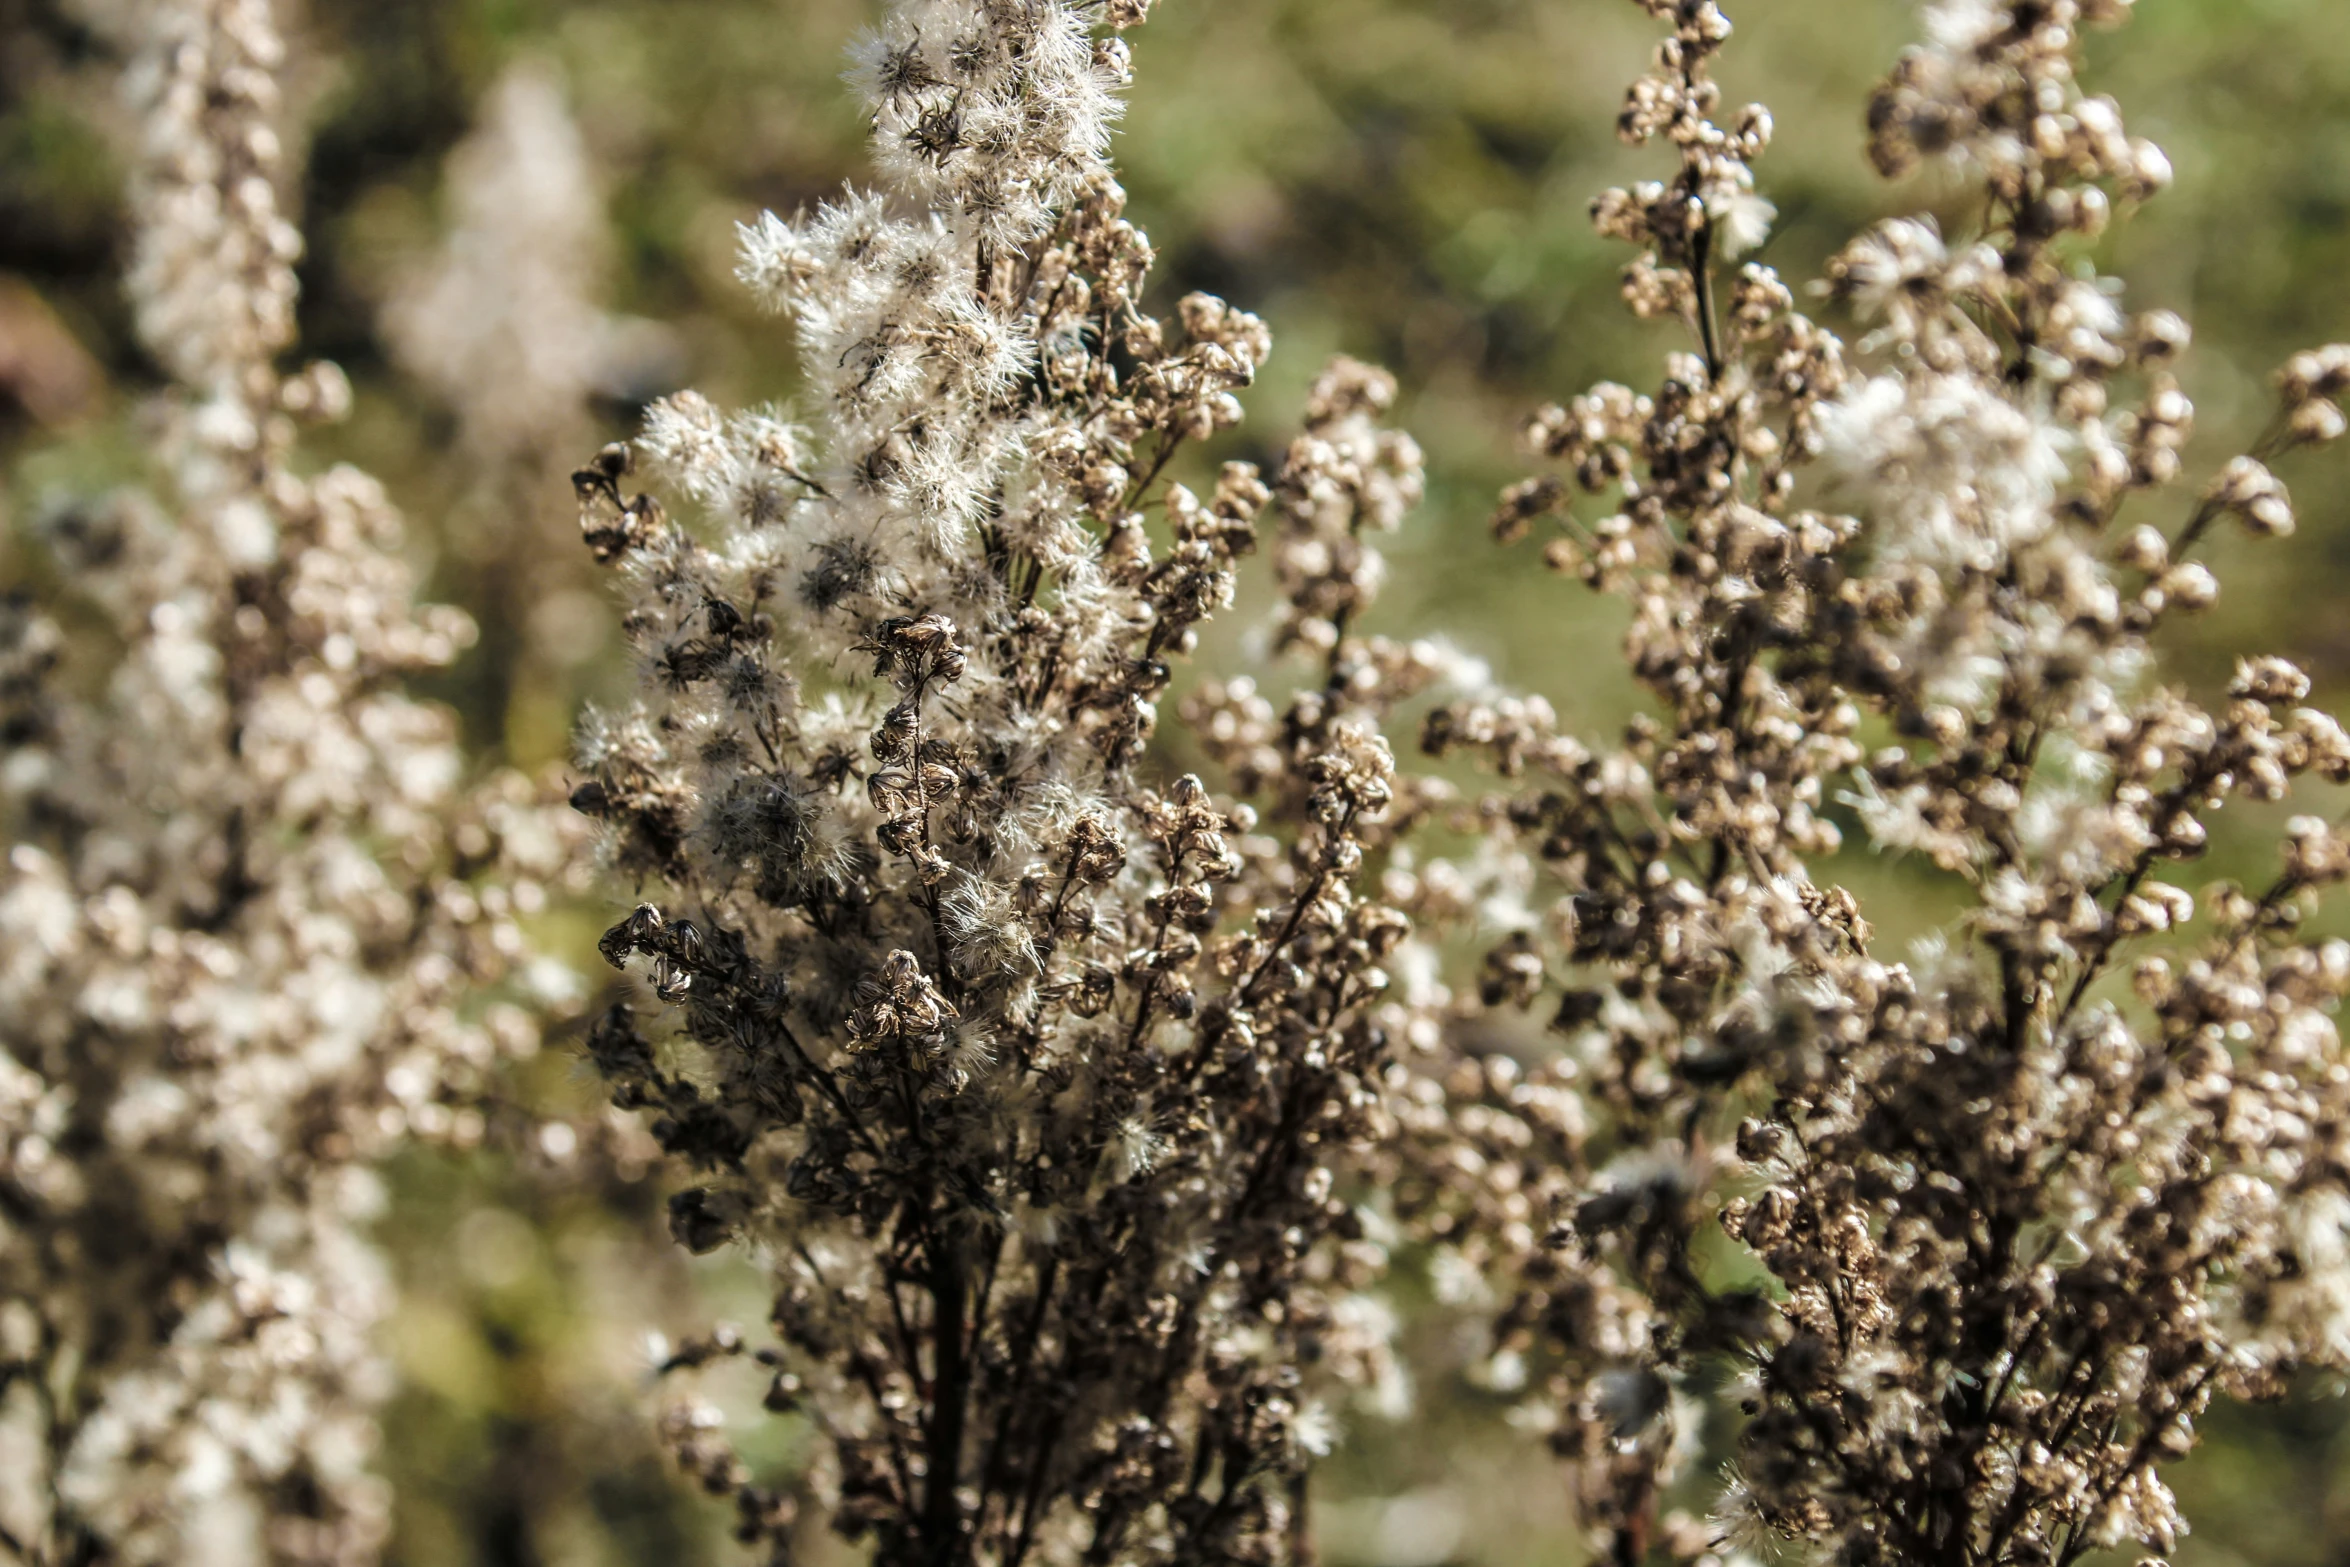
<point>238,916</point>
<point>504,326</point>
<point>1077,1110</point>
<point>2020,1224</point>
<point>1034,1080</point>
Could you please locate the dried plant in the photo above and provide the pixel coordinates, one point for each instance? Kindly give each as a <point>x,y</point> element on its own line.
<point>1033,1079</point>
<point>1078,1112</point>
<point>504,325</point>
<point>2005,1224</point>
<point>243,951</point>
<point>2003,1230</point>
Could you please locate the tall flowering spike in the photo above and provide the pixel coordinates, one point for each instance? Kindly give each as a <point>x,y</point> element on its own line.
<point>237,916</point>
<point>1045,1088</point>
<point>212,266</point>
<point>2023,1220</point>
<point>504,325</point>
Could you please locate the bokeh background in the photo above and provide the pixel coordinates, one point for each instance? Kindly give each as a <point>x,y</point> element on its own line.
<point>520,217</point>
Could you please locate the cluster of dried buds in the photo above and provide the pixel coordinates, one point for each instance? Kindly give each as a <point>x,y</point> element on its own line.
<point>252,930</point>
<point>2012,1211</point>
<point>1044,1087</point>
<point>1077,1112</point>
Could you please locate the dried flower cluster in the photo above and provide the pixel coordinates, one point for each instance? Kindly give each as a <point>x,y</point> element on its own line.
<point>241,946</point>
<point>997,1029</point>
<point>1035,1080</point>
<point>2007,1223</point>
<point>503,325</point>
<point>1078,1112</point>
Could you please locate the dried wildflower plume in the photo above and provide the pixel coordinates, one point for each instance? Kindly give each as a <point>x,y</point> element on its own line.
<point>2020,1222</point>
<point>236,918</point>
<point>503,322</point>
<point>1073,1108</point>
<point>504,325</point>
<point>1035,1079</point>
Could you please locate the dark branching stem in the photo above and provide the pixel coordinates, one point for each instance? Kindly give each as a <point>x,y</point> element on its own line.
<point>942,1521</point>
<point>1701,279</point>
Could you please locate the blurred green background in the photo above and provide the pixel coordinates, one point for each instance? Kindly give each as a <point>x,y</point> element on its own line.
<point>1404,181</point>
